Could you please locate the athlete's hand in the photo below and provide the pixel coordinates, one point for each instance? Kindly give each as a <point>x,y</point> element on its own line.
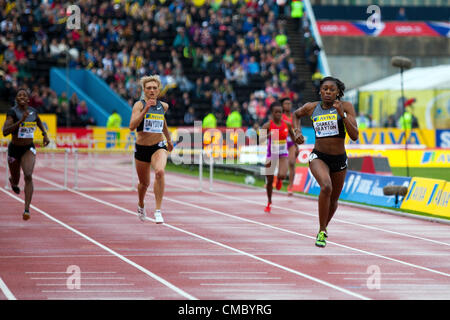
<point>339,107</point>
<point>169,145</point>
<point>24,116</point>
<point>299,138</point>
<point>46,140</point>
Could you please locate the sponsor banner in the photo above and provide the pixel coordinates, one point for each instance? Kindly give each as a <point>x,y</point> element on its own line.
<point>368,188</point>
<point>382,136</point>
<point>48,120</point>
<point>428,158</point>
<point>301,173</point>
<point>441,201</point>
<point>74,137</point>
<point>443,138</point>
<point>383,29</point>
<point>427,195</point>
<point>443,28</point>
<point>120,139</point>
<point>338,28</point>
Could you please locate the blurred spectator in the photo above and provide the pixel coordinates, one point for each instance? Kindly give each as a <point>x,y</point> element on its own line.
<point>401,16</point>
<point>209,121</point>
<point>234,119</point>
<point>114,120</point>
<point>189,116</point>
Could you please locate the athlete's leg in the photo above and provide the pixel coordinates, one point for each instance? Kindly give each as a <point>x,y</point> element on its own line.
<point>27,162</point>
<point>321,172</point>
<point>143,173</point>
<point>293,154</point>
<point>14,169</point>
<point>337,181</point>
<point>159,161</point>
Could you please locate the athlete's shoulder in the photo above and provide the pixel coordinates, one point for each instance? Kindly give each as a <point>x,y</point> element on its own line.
<point>165,105</point>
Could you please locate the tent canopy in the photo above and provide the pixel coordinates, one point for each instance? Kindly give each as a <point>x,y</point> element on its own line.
<point>437,77</point>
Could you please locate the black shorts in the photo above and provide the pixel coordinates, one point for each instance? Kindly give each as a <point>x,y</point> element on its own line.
<point>335,163</point>
<point>16,152</point>
<point>145,153</point>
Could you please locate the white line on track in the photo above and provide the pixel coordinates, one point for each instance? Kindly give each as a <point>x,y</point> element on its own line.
<point>144,270</point>
<point>303,275</point>
<point>297,211</point>
<point>270,226</point>
<point>9,295</point>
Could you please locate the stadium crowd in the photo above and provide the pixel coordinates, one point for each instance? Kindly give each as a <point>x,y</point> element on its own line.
<point>203,54</point>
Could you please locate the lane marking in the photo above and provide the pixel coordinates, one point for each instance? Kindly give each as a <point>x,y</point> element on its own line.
<point>325,283</point>
<point>121,257</point>
<point>258,223</point>
<point>9,295</point>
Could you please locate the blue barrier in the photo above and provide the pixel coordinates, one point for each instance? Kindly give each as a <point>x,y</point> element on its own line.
<point>363,188</point>
<point>100,99</point>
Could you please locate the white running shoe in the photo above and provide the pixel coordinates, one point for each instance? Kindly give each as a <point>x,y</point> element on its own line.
<point>158,217</point>
<point>142,214</point>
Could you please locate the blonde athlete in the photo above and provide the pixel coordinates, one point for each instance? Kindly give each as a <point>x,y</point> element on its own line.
<point>152,143</point>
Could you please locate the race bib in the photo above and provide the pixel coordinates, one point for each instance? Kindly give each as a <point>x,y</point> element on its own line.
<point>326,125</point>
<point>278,147</point>
<point>153,123</point>
<point>26,130</point>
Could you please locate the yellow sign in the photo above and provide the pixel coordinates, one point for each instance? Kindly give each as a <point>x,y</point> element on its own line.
<point>428,158</point>
<point>112,138</point>
<point>441,201</point>
<point>430,108</point>
<point>48,120</point>
<point>427,195</point>
<point>426,137</point>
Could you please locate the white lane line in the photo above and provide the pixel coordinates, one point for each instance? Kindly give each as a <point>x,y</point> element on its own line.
<point>62,272</point>
<point>9,295</point>
<point>310,237</point>
<point>261,224</point>
<point>139,267</point>
<point>315,216</point>
<point>356,295</point>
<point>297,211</point>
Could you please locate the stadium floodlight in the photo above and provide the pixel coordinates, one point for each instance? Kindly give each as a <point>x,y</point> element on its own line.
<point>403,63</point>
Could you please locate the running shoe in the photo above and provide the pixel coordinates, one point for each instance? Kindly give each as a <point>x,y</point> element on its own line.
<point>321,239</point>
<point>326,233</point>
<point>267,209</point>
<point>26,215</point>
<point>142,214</point>
<point>289,190</point>
<point>279,184</point>
<point>14,188</point>
<point>158,217</point>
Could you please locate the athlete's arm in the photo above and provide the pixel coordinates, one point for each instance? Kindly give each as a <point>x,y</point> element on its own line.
<point>264,132</point>
<point>137,114</point>
<point>44,133</point>
<point>348,114</point>
<point>291,132</point>
<point>301,112</point>
<point>166,131</point>
<point>10,126</point>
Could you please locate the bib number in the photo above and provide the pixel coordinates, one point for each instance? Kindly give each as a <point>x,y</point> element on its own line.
<point>326,125</point>
<point>153,123</point>
<point>278,147</point>
<point>26,130</point>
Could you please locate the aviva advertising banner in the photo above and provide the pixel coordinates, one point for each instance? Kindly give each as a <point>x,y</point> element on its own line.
<point>429,196</point>
<point>48,120</point>
<point>382,136</point>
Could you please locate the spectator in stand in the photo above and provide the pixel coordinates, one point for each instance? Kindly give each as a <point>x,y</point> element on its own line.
<point>189,117</point>
<point>114,120</point>
<point>234,119</point>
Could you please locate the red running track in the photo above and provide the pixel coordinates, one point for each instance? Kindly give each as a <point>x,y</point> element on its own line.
<point>213,245</point>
